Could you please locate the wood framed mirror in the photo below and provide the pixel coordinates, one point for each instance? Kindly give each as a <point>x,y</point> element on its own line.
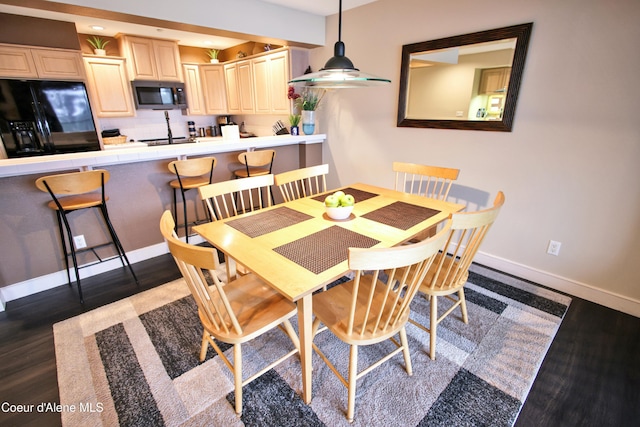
<point>466,82</point>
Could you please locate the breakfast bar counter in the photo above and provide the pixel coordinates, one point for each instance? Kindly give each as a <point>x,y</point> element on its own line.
<point>139,152</point>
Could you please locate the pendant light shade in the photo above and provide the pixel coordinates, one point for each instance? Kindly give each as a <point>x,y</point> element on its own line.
<point>339,71</point>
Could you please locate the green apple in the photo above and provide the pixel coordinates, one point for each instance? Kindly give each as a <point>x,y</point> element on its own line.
<point>339,194</point>
<point>347,200</point>
<point>331,201</point>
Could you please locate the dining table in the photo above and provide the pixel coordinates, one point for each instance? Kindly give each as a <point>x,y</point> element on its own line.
<point>297,249</point>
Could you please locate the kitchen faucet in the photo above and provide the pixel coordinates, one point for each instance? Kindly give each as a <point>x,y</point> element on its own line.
<point>169,136</point>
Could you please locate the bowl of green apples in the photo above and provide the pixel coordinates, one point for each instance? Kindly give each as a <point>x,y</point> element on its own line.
<point>339,205</point>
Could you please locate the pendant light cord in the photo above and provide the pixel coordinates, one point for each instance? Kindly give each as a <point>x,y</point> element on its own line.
<point>340,23</point>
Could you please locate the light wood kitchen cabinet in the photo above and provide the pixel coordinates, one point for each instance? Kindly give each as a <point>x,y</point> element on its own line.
<point>109,86</point>
<point>151,59</point>
<point>27,62</point>
<point>494,80</point>
<point>270,77</point>
<point>239,83</point>
<point>193,87</point>
<point>213,87</point>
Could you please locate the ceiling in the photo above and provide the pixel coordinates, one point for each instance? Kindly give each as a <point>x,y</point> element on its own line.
<point>205,38</point>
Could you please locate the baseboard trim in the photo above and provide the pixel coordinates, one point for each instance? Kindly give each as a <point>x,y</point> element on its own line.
<point>59,278</point>
<point>562,284</point>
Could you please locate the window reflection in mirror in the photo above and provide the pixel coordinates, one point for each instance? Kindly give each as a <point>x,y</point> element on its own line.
<point>463,82</point>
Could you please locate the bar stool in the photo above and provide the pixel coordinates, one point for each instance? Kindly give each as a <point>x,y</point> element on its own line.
<point>80,191</point>
<point>256,163</point>
<point>190,174</point>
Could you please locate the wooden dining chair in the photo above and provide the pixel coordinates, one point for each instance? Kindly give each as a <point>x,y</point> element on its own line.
<point>375,305</point>
<point>230,198</point>
<point>303,182</point>
<point>233,313</point>
<point>450,272</point>
<point>190,174</point>
<point>428,181</point>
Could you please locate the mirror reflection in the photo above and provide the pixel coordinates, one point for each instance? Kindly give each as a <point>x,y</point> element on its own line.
<point>463,82</point>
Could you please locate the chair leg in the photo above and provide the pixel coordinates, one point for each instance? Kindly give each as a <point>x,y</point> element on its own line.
<point>237,376</point>
<point>64,246</point>
<point>433,327</point>
<point>73,254</point>
<point>175,210</point>
<point>204,347</point>
<point>184,212</point>
<point>116,241</point>
<point>463,305</point>
<point>405,350</point>
<point>353,377</point>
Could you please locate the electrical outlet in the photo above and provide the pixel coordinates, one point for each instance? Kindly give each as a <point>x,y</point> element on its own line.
<point>554,248</point>
<point>79,241</point>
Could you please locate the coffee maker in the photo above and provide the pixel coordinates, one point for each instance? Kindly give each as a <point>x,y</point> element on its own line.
<point>224,121</point>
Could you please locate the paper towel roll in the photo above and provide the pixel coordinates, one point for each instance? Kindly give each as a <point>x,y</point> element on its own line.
<point>230,132</point>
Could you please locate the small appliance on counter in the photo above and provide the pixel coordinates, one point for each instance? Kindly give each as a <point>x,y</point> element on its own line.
<point>224,121</point>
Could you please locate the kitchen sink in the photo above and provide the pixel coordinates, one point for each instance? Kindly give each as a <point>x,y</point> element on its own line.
<point>165,141</point>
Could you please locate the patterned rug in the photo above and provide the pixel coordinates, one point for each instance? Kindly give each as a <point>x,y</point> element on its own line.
<point>135,363</point>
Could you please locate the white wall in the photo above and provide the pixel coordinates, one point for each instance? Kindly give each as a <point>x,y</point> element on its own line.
<point>570,167</point>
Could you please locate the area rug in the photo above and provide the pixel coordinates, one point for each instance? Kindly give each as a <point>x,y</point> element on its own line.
<point>135,363</point>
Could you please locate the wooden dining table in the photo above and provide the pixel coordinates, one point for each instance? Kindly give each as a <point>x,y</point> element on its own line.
<point>297,249</point>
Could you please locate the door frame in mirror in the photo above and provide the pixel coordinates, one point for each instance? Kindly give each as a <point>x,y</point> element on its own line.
<point>521,32</point>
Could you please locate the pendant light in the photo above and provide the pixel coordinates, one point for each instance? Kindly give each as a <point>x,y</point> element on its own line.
<point>339,71</point>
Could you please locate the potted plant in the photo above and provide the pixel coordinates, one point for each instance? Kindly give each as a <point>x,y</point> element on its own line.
<point>213,55</point>
<point>307,103</point>
<point>98,44</point>
<point>294,119</point>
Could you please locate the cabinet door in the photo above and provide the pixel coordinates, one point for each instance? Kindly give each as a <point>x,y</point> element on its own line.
<point>245,87</point>
<point>262,84</point>
<point>233,93</point>
<point>57,64</point>
<point>279,82</point>
<point>140,58</point>
<point>215,98</point>
<point>16,62</point>
<point>109,87</point>
<point>167,56</point>
<point>494,80</point>
<point>193,87</point>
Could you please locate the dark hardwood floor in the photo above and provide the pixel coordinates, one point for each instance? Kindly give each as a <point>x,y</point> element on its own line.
<point>590,376</point>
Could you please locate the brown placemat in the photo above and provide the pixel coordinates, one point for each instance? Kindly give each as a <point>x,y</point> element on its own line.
<point>322,250</point>
<point>268,221</point>
<point>358,195</point>
<point>401,215</point>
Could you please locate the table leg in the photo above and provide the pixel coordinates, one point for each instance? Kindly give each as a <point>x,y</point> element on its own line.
<point>305,320</point>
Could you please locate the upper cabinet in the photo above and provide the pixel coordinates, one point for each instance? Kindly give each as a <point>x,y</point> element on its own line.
<point>109,86</point>
<point>239,83</point>
<point>40,63</point>
<point>270,77</point>
<point>151,59</point>
<point>213,87</point>
<point>494,80</point>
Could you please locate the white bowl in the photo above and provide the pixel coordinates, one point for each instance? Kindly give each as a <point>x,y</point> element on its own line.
<point>340,212</point>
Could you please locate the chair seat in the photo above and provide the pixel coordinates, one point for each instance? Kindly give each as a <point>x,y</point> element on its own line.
<point>80,201</point>
<point>332,308</point>
<point>242,173</point>
<point>190,182</point>
<point>258,308</point>
<point>441,287</point>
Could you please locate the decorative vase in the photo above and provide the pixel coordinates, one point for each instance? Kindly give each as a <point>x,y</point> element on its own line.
<point>308,122</point>
<point>100,52</point>
<point>214,61</point>
<point>295,130</point>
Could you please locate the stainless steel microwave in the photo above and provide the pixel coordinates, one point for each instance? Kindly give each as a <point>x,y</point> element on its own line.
<point>154,95</point>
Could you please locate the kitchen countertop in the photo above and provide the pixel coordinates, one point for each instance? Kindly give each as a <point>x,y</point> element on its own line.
<point>132,152</point>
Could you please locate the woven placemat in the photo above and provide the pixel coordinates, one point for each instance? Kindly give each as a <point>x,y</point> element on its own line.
<point>358,195</point>
<point>268,221</point>
<point>401,215</point>
<point>322,250</point>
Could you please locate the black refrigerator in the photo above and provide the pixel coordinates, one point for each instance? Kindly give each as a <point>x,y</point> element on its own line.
<point>45,117</point>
